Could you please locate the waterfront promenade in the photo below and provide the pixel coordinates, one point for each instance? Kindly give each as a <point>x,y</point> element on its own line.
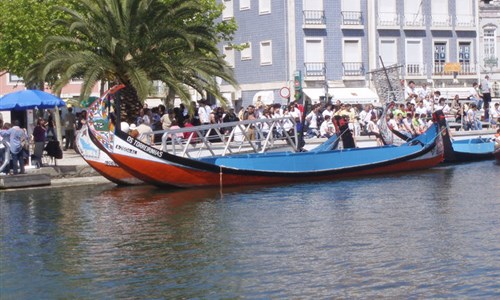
<point>71,170</point>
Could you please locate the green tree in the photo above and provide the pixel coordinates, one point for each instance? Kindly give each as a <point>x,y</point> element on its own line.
<point>134,42</point>
<point>23,27</point>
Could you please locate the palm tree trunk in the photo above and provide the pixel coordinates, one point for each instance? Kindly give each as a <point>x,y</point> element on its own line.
<point>129,104</point>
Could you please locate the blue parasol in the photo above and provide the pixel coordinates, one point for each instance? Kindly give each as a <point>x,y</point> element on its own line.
<point>29,99</point>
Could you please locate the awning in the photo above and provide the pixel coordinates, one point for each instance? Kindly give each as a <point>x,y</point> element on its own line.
<point>347,95</point>
<point>266,97</point>
<point>354,95</point>
<point>314,94</point>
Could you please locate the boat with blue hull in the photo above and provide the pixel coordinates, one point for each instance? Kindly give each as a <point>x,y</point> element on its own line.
<point>465,150</point>
<point>165,169</point>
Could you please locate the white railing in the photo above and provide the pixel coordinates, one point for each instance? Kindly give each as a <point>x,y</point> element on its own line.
<point>388,19</point>
<point>416,69</point>
<point>260,135</point>
<point>414,20</point>
<point>440,20</point>
<point>467,21</point>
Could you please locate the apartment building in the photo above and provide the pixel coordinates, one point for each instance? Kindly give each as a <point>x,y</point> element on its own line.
<point>489,41</point>
<point>330,47</point>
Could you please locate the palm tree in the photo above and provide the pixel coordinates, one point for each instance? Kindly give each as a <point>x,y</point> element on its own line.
<point>134,42</point>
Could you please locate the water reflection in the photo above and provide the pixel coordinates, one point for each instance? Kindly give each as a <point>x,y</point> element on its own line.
<point>423,235</point>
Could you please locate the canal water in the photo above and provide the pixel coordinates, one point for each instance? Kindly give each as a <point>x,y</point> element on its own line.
<point>428,234</point>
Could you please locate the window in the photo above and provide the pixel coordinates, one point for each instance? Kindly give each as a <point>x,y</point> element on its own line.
<point>440,56</point>
<point>229,55</point>
<point>413,13</point>
<point>314,59</point>
<point>440,15</point>
<point>489,43</point>
<point>352,63</point>
<point>264,7</point>
<point>244,4</point>
<point>313,12</point>
<point>227,13</point>
<point>389,52</point>
<point>464,56</point>
<point>351,12</point>
<point>15,79</point>
<point>246,54</point>
<point>387,15</point>
<point>266,53</point>
<point>414,57</point>
<point>464,13</point>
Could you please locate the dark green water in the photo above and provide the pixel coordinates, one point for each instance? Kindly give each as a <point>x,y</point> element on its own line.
<point>431,234</point>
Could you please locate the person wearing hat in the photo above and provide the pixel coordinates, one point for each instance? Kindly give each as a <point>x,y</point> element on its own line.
<point>132,131</point>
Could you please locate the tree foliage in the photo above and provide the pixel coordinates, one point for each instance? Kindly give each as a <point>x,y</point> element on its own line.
<point>134,42</point>
<point>24,24</point>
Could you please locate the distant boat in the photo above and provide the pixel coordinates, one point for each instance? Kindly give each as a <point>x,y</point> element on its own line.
<point>161,168</point>
<point>466,150</point>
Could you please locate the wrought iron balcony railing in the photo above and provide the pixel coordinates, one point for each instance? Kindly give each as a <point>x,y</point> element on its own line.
<point>315,69</point>
<point>314,17</point>
<point>353,69</point>
<point>352,18</point>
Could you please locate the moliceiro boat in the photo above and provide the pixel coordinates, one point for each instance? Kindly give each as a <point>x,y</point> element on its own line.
<point>467,150</point>
<point>162,168</point>
<point>96,158</point>
<point>101,162</point>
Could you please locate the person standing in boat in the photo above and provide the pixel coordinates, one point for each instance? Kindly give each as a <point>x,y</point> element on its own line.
<point>249,114</point>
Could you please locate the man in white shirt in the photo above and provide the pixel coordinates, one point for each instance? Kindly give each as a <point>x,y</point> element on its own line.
<point>204,112</point>
<point>328,111</point>
<point>327,129</point>
<point>411,93</point>
<point>312,120</point>
<point>475,95</point>
<point>365,116</point>
<point>145,133</point>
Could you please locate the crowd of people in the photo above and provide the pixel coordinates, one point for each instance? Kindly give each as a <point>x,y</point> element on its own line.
<point>15,141</point>
<point>411,117</point>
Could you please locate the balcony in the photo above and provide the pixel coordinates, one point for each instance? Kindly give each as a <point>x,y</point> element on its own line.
<point>465,23</point>
<point>416,69</point>
<point>440,22</point>
<point>315,70</point>
<point>353,69</point>
<point>352,20</point>
<point>414,21</point>
<point>314,19</point>
<point>467,69</point>
<point>388,21</point>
